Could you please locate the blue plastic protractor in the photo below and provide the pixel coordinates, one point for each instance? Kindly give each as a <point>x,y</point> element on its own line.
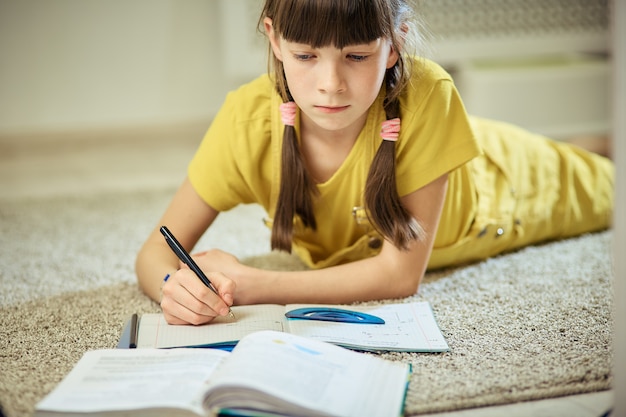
<point>339,315</point>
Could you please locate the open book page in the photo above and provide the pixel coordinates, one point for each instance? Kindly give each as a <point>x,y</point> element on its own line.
<point>131,379</point>
<point>154,332</point>
<point>408,327</point>
<point>304,375</point>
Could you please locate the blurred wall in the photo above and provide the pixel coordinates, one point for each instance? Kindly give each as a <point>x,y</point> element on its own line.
<point>69,65</point>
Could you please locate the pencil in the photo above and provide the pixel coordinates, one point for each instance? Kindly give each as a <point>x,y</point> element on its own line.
<point>187,260</point>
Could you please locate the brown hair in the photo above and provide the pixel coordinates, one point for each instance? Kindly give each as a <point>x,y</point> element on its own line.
<point>341,23</point>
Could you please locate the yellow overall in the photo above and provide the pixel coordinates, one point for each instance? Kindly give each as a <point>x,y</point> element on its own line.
<point>507,188</point>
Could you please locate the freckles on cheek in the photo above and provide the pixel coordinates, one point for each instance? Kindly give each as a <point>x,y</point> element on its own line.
<point>291,72</point>
<point>294,80</point>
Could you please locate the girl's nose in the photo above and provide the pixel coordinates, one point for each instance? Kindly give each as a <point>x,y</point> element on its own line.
<point>331,80</point>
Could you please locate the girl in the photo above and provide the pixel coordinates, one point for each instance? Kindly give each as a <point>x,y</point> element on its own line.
<point>368,167</point>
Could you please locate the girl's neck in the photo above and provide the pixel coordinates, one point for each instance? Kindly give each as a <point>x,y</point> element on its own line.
<point>324,151</point>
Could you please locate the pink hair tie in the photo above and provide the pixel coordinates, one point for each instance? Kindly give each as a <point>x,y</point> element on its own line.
<point>390,129</point>
<point>288,113</point>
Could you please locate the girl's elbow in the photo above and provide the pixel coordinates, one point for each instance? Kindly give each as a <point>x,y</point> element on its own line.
<point>405,270</point>
<point>408,285</point>
<point>409,290</point>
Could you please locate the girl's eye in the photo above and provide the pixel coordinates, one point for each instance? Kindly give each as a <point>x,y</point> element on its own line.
<point>357,58</point>
<point>302,57</point>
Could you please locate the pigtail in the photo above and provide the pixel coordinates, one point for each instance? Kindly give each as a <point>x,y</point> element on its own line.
<point>384,207</point>
<point>296,192</point>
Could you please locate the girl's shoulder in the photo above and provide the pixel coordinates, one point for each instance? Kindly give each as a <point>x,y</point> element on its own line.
<point>429,86</point>
<point>251,100</point>
<point>243,123</point>
<point>431,69</point>
<point>262,85</point>
<point>425,74</point>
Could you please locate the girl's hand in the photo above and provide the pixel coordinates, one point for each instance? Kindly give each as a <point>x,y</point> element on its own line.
<point>186,300</point>
<point>244,276</point>
<point>218,260</point>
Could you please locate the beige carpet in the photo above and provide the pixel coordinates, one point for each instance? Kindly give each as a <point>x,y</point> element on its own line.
<point>528,325</point>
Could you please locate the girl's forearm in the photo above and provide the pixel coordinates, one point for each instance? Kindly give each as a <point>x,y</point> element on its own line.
<point>153,263</point>
<point>368,279</point>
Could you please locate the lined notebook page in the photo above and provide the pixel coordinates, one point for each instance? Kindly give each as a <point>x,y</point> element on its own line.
<point>106,381</point>
<point>154,332</point>
<point>296,376</point>
<point>408,327</point>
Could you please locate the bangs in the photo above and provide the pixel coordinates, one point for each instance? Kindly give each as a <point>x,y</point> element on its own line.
<point>340,23</point>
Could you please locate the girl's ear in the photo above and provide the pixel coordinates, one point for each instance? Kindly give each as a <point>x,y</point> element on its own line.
<point>274,40</point>
<point>393,54</point>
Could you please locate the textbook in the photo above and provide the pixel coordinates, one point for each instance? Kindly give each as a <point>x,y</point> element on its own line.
<point>268,373</point>
<point>408,327</point>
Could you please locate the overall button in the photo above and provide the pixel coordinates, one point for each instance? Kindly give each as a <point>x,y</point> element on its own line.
<point>499,232</point>
<point>374,243</point>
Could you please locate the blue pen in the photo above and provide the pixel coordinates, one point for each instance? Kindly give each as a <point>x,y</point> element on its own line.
<point>187,260</point>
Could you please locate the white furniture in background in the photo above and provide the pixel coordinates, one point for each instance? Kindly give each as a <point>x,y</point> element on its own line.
<point>541,64</point>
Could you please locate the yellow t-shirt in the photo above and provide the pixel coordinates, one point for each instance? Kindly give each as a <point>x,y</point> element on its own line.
<point>239,162</point>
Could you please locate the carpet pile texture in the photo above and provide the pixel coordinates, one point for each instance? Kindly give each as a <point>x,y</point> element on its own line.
<point>528,325</point>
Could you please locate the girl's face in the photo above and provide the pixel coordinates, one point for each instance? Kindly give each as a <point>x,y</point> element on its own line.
<point>334,88</point>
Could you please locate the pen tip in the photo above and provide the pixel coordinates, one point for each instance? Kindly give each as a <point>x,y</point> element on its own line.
<point>231,315</point>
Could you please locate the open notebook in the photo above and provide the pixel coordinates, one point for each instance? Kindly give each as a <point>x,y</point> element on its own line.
<point>409,327</point>
<point>268,373</point>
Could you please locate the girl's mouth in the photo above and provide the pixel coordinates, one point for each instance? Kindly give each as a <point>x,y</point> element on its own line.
<point>331,109</point>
